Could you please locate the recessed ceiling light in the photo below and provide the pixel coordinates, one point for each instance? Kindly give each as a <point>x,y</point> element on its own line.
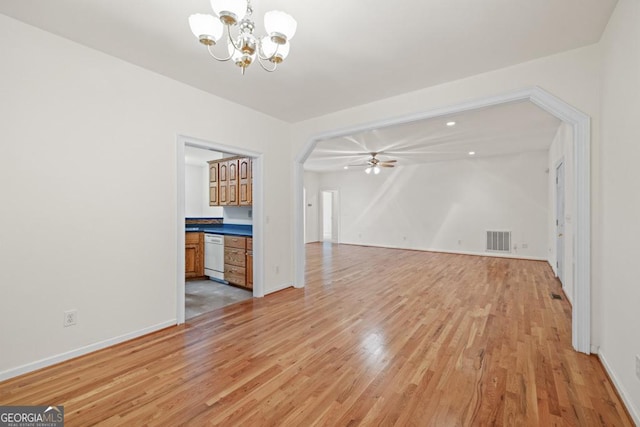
<point>472,153</point>
<point>451,123</point>
<point>346,167</point>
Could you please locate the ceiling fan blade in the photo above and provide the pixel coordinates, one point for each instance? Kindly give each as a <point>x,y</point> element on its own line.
<point>383,165</point>
<point>388,161</point>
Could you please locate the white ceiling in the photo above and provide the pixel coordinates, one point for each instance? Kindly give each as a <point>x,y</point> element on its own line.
<point>499,130</point>
<point>345,53</point>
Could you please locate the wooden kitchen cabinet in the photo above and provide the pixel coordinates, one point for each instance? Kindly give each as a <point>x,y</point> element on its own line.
<point>223,184</point>
<point>244,181</point>
<point>249,263</point>
<point>238,261</point>
<point>213,184</point>
<point>235,260</point>
<point>230,182</point>
<point>194,255</point>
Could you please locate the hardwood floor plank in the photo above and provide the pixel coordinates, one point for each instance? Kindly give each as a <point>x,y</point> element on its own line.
<point>377,337</point>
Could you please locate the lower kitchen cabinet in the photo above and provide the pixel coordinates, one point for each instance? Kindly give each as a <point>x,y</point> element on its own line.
<point>249,262</point>
<point>194,255</point>
<point>236,269</point>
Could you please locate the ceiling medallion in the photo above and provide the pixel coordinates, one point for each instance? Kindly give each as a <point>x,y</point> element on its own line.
<point>244,48</point>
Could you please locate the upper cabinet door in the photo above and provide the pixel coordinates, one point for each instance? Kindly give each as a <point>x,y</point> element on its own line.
<point>232,192</point>
<point>244,196</point>
<point>213,184</point>
<point>223,184</point>
<point>230,182</point>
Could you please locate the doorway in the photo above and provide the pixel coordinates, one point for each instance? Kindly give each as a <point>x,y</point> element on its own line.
<point>560,242</point>
<point>330,216</point>
<point>581,190</point>
<point>257,215</point>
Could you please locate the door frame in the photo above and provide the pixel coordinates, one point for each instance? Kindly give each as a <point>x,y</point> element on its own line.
<point>258,215</point>
<point>560,257</point>
<point>335,214</point>
<point>581,125</point>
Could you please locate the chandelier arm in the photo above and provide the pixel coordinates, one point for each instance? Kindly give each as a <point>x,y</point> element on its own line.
<point>233,43</point>
<point>264,67</point>
<point>270,57</point>
<point>216,58</point>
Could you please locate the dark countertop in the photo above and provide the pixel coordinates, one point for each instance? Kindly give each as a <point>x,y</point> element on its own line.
<point>225,229</point>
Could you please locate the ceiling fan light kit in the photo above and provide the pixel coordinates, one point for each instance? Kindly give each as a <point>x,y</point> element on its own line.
<point>376,170</point>
<point>245,47</point>
<point>374,165</point>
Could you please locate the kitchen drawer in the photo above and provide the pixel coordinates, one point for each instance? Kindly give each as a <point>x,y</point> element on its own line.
<point>235,275</point>
<point>235,257</point>
<point>193,237</point>
<point>249,243</point>
<point>235,242</point>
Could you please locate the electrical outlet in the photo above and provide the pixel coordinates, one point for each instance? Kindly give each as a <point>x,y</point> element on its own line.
<point>638,366</point>
<point>70,318</point>
<point>525,245</point>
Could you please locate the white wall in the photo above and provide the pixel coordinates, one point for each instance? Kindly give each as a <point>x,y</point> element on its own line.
<point>89,200</point>
<point>194,191</point>
<point>237,215</point>
<point>312,187</point>
<point>447,206</point>
<point>620,151</point>
<point>197,183</point>
<point>561,150</point>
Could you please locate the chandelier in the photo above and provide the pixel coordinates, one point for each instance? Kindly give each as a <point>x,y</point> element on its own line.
<point>244,48</point>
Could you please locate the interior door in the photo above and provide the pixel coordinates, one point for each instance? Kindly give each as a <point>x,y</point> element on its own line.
<point>560,222</point>
<point>327,216</point>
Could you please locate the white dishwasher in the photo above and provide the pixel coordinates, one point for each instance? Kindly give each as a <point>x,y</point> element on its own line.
<point>214,256</point>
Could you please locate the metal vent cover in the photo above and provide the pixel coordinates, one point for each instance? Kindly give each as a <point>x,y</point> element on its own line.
<point>498,241</point>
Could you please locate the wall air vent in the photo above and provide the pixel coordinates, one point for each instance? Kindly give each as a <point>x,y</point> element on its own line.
<point>498,241</point>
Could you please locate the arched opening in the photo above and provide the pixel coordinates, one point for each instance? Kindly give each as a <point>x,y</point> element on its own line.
<point>580,124</point>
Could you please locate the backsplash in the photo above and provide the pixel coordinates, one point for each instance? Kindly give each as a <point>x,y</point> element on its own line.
<point>203,221</point>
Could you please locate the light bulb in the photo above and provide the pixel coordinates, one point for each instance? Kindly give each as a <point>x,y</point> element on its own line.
<point>368,170</point>
<point>229,11</point>
<point>280,26</point>
<point>376,170</point>
<point>206,28</point>
<point>240,58</point>
<point>269,48</point>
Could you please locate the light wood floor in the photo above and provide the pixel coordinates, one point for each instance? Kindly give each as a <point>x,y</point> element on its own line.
<point>378,337</point>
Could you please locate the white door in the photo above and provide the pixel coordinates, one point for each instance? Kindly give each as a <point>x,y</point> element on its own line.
<point>330,216</point>
<point>560,222</point>
<point>327,216</point>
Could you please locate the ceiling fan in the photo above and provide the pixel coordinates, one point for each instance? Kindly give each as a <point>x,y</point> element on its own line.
<point>374,164</point>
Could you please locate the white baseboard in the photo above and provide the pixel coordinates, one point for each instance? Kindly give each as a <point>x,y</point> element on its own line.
<point>633,410</point>
<point>43,363</point>
<point>445,251</point>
